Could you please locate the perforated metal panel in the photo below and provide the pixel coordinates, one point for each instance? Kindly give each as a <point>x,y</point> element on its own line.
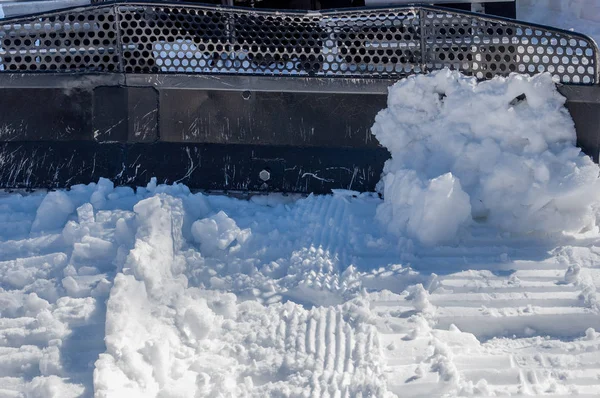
<point>486,47</point>
<point>208,40</point>
<point>77,40</point>
<point>383,43</point>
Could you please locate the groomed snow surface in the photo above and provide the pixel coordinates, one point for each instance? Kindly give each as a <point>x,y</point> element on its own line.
<point>475,275</point>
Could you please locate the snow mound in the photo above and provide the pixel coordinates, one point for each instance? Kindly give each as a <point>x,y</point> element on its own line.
<point>501,152</point>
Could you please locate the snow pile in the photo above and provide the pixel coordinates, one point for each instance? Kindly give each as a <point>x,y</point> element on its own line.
<point>500,151</point>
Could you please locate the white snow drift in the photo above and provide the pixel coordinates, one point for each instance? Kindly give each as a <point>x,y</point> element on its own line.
<point>500,152</point>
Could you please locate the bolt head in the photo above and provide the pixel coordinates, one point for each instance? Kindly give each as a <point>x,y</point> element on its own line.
<point>264,175</point>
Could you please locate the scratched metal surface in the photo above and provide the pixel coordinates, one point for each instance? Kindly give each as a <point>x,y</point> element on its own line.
<point>210,167</point>
<point>209,138</point>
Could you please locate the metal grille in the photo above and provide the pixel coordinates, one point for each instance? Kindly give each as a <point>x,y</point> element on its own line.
<point>387,43</point>
<point>208,40</point>
<point>78,40</point>
<point>486,47</point>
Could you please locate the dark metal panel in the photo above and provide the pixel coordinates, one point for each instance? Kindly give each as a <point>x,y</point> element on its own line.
<point>125,114</point>
<point>321,170</point>
<point>507,9</point>
<point>202,166</point>
<point>587,124</point>
<point>143,111</point>
<point>58,164</point>
<point>110,114</point>
<point>33,114</point>
<point>583,104</point>
<point>269,118</point>
<point>60,80</point>
<point>238,167</point>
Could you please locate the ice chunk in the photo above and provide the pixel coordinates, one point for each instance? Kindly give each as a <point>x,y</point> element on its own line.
<point>53,212</point>
<point>572,273</point>
<point>419,297</point>
<point>98,198</point>
<point>590,334</point>
<point>439,211</point>
<point>217,233</point>
<point>85,213</point>
<point>53,387</point>
<point>198,321</point>
<point>159,235</point>
<point>94,249</point>
<point>34,305</point>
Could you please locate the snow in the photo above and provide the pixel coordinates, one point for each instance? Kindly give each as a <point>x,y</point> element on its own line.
<point>500,151</point>
<point>162,292</point>
<point>53,212</point>
<point>476,274</point>
<point>167,338</point>
<point>217,232</point>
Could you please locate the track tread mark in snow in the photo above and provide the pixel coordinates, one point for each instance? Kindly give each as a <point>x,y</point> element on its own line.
<point>310,335</point>
<point>349,344</point>
<point>320,337</point>
<point>340,351</point>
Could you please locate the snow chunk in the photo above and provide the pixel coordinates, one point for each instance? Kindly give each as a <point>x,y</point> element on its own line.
<point>53,212</point>
<point>507,146</point>
<point>85,214</point>
<point>590,334</point>
<point>198,321</point>
<point>419,297</point>
<point>98,198</point>
<point>159,235</point>
<point>440,210</point>
<point>34,305</point>
<point>217,233</point>
<point>572,273</point>
<point>53,387</point>
<point>94,249</point>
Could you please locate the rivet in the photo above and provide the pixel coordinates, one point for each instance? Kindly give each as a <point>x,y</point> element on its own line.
<point>264,175</point>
